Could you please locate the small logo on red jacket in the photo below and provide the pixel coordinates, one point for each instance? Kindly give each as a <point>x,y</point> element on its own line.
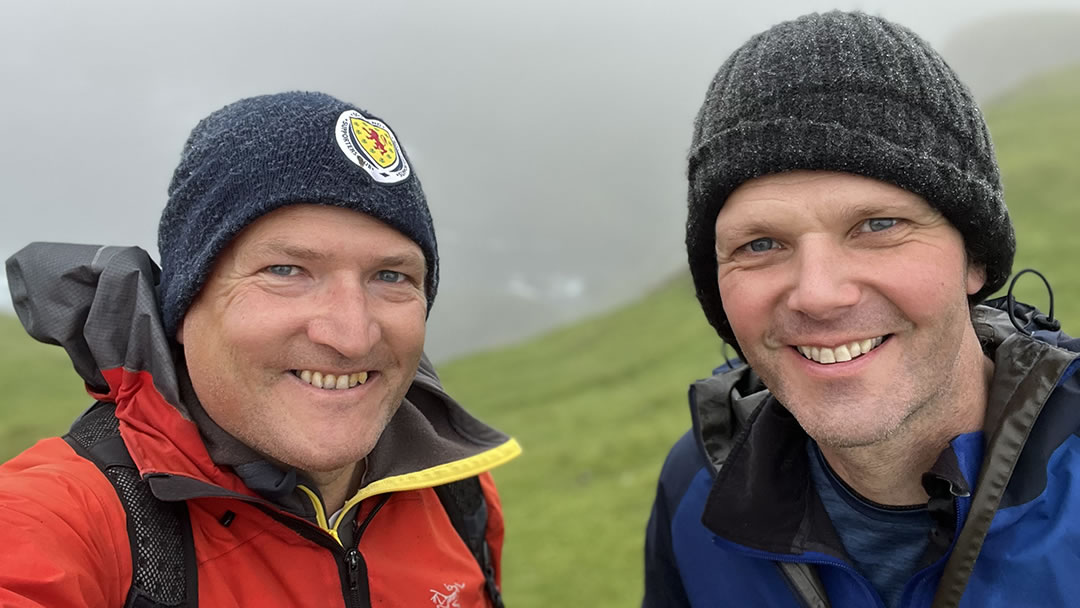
<point>448,599</point>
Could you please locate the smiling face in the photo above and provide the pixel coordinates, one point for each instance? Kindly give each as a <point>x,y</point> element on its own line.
<point>849,297</point>
<point>307,295</point>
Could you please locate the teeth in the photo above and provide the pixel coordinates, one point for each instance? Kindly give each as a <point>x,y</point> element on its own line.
<point>331,381</point>
<point>842,353</point>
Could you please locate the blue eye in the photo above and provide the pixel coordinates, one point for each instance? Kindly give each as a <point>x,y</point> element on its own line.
<point>282,270</point>
<point>878,224</point>
<point>391,276</point>
<point>761,245</point>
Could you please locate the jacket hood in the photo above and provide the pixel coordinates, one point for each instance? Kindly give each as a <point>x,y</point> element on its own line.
<point>100,304</point>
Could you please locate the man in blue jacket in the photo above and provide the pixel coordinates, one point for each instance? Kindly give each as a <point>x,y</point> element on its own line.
<point>892,442</point>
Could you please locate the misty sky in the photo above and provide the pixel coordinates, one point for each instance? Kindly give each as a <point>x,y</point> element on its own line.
<point>550,136</point>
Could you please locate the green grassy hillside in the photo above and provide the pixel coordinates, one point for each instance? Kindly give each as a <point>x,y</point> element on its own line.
<point>1036,131</point>
<point>597,404</point>
<point>40,394</point>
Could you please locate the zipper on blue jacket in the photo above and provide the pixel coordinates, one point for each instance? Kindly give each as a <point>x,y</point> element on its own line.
<point>939,566</point>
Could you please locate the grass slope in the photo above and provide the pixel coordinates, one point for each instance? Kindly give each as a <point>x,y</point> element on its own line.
<point>40,394</point>
<point>597,404</point>
<point>1036,131</point>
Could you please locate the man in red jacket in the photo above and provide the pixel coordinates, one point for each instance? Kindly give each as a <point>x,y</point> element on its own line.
<point>266,424</point>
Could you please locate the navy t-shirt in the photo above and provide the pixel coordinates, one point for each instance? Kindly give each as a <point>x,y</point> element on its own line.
<point>886,544</point>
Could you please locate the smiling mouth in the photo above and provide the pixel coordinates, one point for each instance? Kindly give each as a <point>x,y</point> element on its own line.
<point>842,353</point>
<point>332,382</point>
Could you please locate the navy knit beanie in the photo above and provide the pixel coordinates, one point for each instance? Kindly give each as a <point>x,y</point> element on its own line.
<point>262,153</point>
<point>845,92</point>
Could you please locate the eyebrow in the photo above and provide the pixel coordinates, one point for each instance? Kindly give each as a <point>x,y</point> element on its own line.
<point>756,226</point>
<point>744,230</point>
<point>882,209</point>
<point>298,252</point>
<point>401,259</point>
<point>293,251</point>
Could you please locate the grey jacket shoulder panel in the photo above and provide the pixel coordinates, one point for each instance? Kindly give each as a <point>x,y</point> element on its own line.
<point>99,304</point>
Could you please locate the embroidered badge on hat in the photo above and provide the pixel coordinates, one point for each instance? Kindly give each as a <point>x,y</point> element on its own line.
<point>372,145</point>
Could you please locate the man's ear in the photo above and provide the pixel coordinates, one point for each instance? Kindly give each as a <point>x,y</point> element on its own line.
<point>976,279</point>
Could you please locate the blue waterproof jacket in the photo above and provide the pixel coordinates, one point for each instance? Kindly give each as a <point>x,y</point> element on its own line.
<point>737,521</point>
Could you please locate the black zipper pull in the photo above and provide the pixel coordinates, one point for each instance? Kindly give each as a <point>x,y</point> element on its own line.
<point>355,568</point>
<point>352,563</point>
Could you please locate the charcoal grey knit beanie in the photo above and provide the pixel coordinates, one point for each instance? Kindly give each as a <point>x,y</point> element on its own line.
<point>845,92</point>
<point>262,153</point>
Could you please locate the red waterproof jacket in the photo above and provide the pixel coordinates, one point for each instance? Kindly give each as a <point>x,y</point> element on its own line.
<point>261,536</point>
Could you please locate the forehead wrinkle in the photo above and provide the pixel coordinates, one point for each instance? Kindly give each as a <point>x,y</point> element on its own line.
<point>756,215</point>
<point>276,247</point>
<point>877,208</point>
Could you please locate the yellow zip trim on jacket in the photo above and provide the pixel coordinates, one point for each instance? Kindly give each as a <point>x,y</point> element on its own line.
<point>424,478</point>
<point>320,513</point>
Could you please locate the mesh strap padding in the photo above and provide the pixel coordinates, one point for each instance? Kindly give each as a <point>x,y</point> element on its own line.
<point>157,530</point>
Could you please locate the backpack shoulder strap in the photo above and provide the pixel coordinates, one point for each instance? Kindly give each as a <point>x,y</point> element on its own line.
<point>466,506</point>
<point>164,573</point>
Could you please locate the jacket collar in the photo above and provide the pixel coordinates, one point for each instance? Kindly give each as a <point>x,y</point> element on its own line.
<point>100,305</point>
<point>762,496</point>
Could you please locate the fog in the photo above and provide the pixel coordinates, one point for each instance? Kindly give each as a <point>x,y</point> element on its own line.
<point>550,137</point>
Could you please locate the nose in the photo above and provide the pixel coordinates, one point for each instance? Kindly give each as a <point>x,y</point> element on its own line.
<point>825,283</point>
<point>344,319</point>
